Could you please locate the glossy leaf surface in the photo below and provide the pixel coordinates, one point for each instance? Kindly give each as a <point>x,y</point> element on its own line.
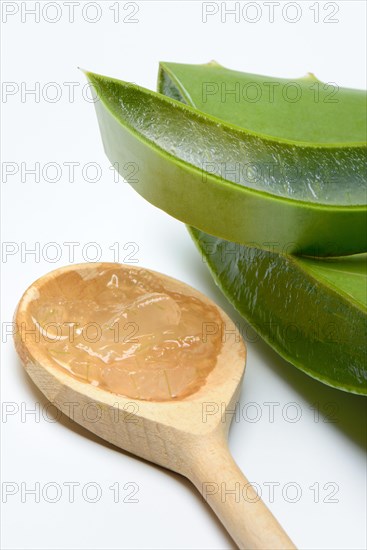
<point>312,312</point>
<point>232,182</point>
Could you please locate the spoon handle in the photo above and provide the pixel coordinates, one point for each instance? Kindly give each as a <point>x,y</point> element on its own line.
<point>222,484</point>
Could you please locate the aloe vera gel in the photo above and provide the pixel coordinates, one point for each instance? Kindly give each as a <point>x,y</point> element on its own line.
<point>127,331</point>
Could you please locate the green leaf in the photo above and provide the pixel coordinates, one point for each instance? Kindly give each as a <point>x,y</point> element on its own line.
<point>304,109</point>
<point>312,311</point>
<point>232,182</point>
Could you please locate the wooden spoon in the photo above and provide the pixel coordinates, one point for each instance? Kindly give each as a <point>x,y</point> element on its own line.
<point>186,435</point>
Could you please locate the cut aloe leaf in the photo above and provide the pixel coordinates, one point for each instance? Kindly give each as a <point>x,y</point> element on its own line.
<point>234,183</point>
<point>312,312</point>
<point>303,109</point>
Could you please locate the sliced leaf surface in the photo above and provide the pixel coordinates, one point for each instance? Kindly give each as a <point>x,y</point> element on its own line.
<point>309,311</point>
<point>234,183</point>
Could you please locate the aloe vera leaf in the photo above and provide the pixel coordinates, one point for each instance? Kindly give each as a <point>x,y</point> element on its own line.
<point>346,275</point>
<point>303,109</point>
<point>312,315</point>
<point>185,158</point>
<point>312,311</point>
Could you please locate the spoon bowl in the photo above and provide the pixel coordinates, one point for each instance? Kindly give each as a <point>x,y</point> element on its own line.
<point>187,434</point>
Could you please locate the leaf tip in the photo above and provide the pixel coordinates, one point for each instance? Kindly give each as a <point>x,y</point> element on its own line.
<point>213,63</point>
<point>310,76</point>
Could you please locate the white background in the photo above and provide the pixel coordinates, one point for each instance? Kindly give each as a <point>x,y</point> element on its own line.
<point>313,450</point>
